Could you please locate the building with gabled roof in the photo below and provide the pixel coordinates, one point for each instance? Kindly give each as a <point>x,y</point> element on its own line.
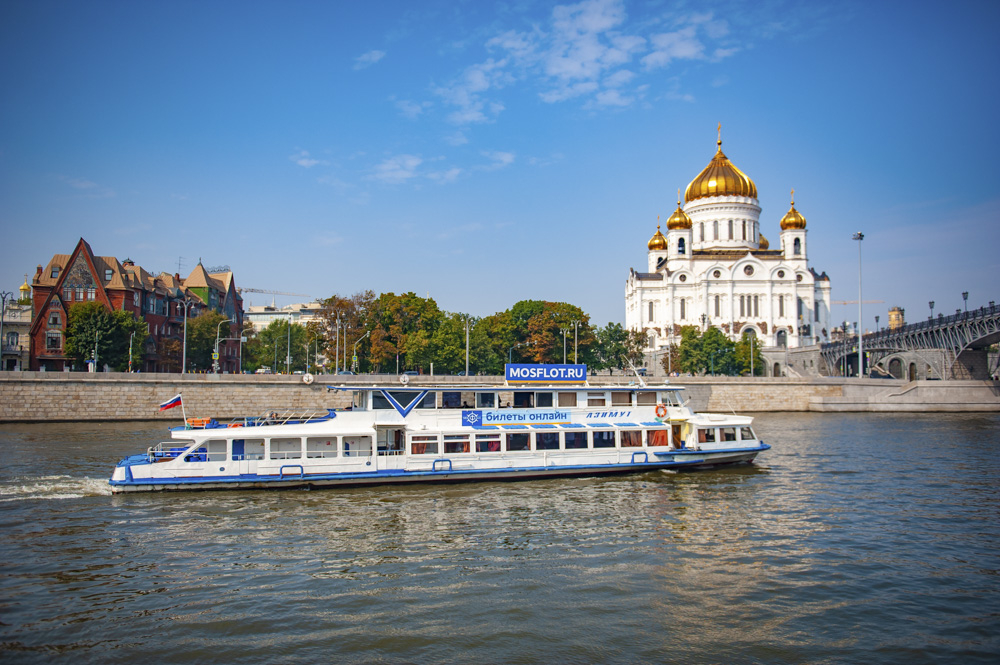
<point>159,300</point>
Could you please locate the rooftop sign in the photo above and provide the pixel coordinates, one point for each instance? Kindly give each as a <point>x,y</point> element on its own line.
<point>545,373</point>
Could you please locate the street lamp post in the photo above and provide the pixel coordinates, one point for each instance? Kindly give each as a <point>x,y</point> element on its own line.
<point>354,354</point>
<point>965,298</point>
<point>4,297</point>
<point>576,342</point>
<point>564,331</point>
<point>877,329</point>
<point>184,352</point>
<point>215,361</point>
<point>931,303</point>
<point>859,236</point>
<point>467,346</point>
<point>288,347</point>
<point>130,339</point>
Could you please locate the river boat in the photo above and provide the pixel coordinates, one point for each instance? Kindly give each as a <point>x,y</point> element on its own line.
<point>399,433</point>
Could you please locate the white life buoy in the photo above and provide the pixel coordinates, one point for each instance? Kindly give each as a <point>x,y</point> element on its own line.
<point>307,378</point>
<point>404,379</point>
<point>661,410</point>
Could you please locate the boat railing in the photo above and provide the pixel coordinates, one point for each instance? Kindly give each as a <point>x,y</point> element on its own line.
<point>165,450</point>
<point>286,417</point>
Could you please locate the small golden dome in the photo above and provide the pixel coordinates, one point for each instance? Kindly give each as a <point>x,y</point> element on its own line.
<point>25,289</point>
<point>720,178</point>
<point>657,242</point>
<point>680,219</point>
<point>764,244</point>
<point>793,219</point>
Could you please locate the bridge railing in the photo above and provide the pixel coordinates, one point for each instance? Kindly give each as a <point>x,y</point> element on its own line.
<point>942,321</point>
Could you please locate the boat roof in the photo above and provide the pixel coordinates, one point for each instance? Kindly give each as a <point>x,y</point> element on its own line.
<point>454,388</point>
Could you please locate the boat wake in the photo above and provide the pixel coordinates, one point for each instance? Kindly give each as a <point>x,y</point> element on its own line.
<point>52,487</point>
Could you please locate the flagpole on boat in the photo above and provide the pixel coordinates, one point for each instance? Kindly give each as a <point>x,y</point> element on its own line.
<point>183,414</point>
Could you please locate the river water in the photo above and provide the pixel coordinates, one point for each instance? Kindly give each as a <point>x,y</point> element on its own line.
<point>859,538</point>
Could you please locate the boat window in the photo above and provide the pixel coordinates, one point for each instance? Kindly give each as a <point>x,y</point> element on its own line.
<point>451,400</point>
<point>404,398</point>
<point>213,450</point>
<point>456,443</point>
<point>575,440</point>
<point>546,440</point>
<point>248,449</point>
<point>486,400</point>
<point>670,397</point>
<point>321,446</point>
<point>727,433</point>
<point>595,399</point>
<point>488,443</point>
<point>543,400</point>
<point>604,439</point>
<point>631,438</point>
<point>286,448</point>
<point>706,436</point>
<point>359,400</point>
<point>390,441</point>
<point>657,437</point>
<point>424,444</point>
<point>646,398</point>
<point>747,434</point>
<point>567,399</point>
<point>357,446</point>
<point>523,400</point>
<point>619,398</point>
<point>517,441</point>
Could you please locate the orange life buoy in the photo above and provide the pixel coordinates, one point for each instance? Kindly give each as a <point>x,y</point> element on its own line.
<point>661,410</point>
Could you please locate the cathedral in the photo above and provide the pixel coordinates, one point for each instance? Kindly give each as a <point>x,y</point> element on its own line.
<point>714,268</point>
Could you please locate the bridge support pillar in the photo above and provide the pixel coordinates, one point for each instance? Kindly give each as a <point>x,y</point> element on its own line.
<point>971,364</point>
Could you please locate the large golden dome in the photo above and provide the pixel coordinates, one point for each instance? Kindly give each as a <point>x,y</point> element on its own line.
<point>680,219</point>
<point>793,219</point>
<point>720,178</point>
<point>764,244</point>
<point>657,242</point>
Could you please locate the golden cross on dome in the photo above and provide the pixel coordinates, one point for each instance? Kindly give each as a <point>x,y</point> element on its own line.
<point>793,196</point>
<point>720,133</point>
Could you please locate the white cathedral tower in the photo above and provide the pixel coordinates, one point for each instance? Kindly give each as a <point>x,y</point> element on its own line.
<point>714,268</point>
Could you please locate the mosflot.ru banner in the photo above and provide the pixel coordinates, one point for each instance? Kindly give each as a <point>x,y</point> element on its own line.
<point>518,373</point>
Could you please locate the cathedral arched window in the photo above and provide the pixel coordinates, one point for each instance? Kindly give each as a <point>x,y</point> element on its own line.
<point>701,231</point>
<point>797,247</point>
<point>730,229</point>
<point>781,307</point>
<point>717,306</point>
<point>650,310</point>
<point>715,230</point>
<point>683,310</point>
<point>680,245</point>
<point>744,229</point>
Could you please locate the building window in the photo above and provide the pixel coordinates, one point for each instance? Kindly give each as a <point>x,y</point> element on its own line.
<point>730,229</point>
<point>54,318</point>
<point>53,341</point>
<point>715,230</point>
<point>67,294</point>
<point>781,307</point>
<point>717,305</point>
<point>55,272</point>
<point>748,271</point>
<point>135,298</point>
<point>680,245</point>
<point>797,247</point>
<point>79,293</point>
<point>12,339</point>
<point>107,275</point>
<point>701,231</point>
<point>717,274</point>
<point>756,309</point>
<point>744,229</point>
<point>800,308</point>
<point>683,310</point>
<point>91,293</point>
<point>816,313</point>
<point>651,311</point>
<point>743,308</point>
<point>683,278</point>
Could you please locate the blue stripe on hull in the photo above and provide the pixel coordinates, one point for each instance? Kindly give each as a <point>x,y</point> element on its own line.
<point>386,476</point>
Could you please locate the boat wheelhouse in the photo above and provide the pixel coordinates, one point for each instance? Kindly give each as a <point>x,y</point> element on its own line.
<point>447,433</point>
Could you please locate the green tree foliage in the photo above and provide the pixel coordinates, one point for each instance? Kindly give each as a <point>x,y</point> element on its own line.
<point>201,336</point>
<point>270,346</point>
<point>742,353</point>
<point>92,323</point>
<point>671,359</point>
<point>706,353</point>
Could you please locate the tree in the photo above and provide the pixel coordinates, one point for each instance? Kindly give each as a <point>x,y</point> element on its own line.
<point>742,354</point>
<point>201,335</point>
<point>270,346</point>
<point>92,324</point>
<point>671,359</point>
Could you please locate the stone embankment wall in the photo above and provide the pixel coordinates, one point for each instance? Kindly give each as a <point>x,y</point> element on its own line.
<point>41,396</point>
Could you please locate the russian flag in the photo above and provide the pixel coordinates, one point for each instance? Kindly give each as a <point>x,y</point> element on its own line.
<point>171,403</point>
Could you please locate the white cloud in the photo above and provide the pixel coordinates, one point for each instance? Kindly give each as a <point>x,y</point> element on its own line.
<point>466,92</point>
<point>680,44</point>
<point>303,159</point>
<point>443,177</point>
<point>368,59</point>
<point>397,169</point>
<point>410,109</point>
<point>498,160</point>
<point>456,139</point>
<point>91,189</point>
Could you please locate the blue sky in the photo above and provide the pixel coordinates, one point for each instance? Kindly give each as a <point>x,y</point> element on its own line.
<point>485,153</point>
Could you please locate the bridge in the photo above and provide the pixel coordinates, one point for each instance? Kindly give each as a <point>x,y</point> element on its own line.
<point>961,340</point>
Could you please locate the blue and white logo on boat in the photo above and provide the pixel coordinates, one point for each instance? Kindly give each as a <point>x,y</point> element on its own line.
<point>472,418</point>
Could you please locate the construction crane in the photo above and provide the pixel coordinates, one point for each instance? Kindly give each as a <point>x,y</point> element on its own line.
<point>241,289</point>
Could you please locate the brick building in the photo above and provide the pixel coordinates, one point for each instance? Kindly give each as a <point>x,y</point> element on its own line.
<point>122,285</point>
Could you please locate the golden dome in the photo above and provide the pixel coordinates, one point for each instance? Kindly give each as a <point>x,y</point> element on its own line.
<point>793,219</point>
<point>680,219</point>
<point>720,178</point>
<point>764,244</point>
<point>25,289</point>
<point>657,242</point>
